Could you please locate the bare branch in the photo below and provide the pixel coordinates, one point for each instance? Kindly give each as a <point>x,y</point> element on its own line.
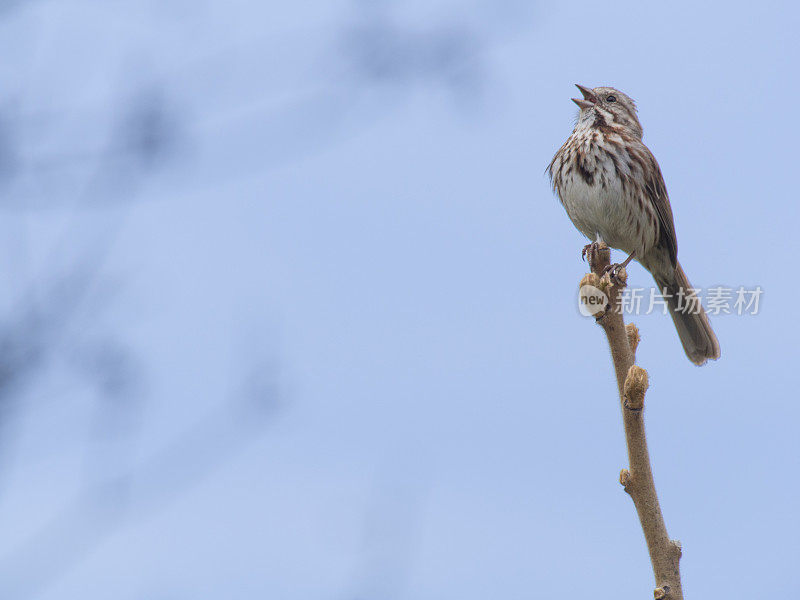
<point>632,382</point>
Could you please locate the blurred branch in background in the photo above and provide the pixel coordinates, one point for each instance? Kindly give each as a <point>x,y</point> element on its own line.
<point>377,58</point>
<point>57,301</point>
<point>70,174</point>
<point>146,135</point>
<point>381,49</point>
<point>55,317</point>
<point>129,493</point>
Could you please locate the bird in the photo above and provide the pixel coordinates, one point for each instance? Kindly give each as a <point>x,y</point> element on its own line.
<point>612,189</point>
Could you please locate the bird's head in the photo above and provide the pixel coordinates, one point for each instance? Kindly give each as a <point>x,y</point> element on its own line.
<point>607,105</point>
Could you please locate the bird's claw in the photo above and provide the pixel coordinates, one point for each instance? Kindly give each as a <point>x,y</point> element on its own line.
<point>616,273</point>
<point>589,251</point>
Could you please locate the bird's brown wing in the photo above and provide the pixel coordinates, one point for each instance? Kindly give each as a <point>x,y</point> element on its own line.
<point>657,194</point>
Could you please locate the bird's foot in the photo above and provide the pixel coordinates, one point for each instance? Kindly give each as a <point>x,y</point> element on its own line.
<point>616,274</point>
<point>596,253</point>
<point>590,251</point>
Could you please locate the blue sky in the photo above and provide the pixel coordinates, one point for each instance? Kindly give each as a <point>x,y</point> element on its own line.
<point>330,322</point>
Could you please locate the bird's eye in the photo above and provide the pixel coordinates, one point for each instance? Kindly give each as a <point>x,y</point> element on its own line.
<point>611,98</point>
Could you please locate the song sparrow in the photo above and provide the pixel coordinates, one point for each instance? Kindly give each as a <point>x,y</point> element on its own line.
<point>612,189</point>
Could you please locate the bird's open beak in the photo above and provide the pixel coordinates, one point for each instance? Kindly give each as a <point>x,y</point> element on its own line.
<point>589,97</point>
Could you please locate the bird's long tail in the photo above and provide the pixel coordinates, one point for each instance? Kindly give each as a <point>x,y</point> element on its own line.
<point>691,321</point>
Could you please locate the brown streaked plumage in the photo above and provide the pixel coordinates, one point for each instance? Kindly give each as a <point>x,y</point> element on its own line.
<point>612,189</point>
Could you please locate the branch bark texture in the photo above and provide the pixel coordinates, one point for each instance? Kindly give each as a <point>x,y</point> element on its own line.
<point>632,382</point>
